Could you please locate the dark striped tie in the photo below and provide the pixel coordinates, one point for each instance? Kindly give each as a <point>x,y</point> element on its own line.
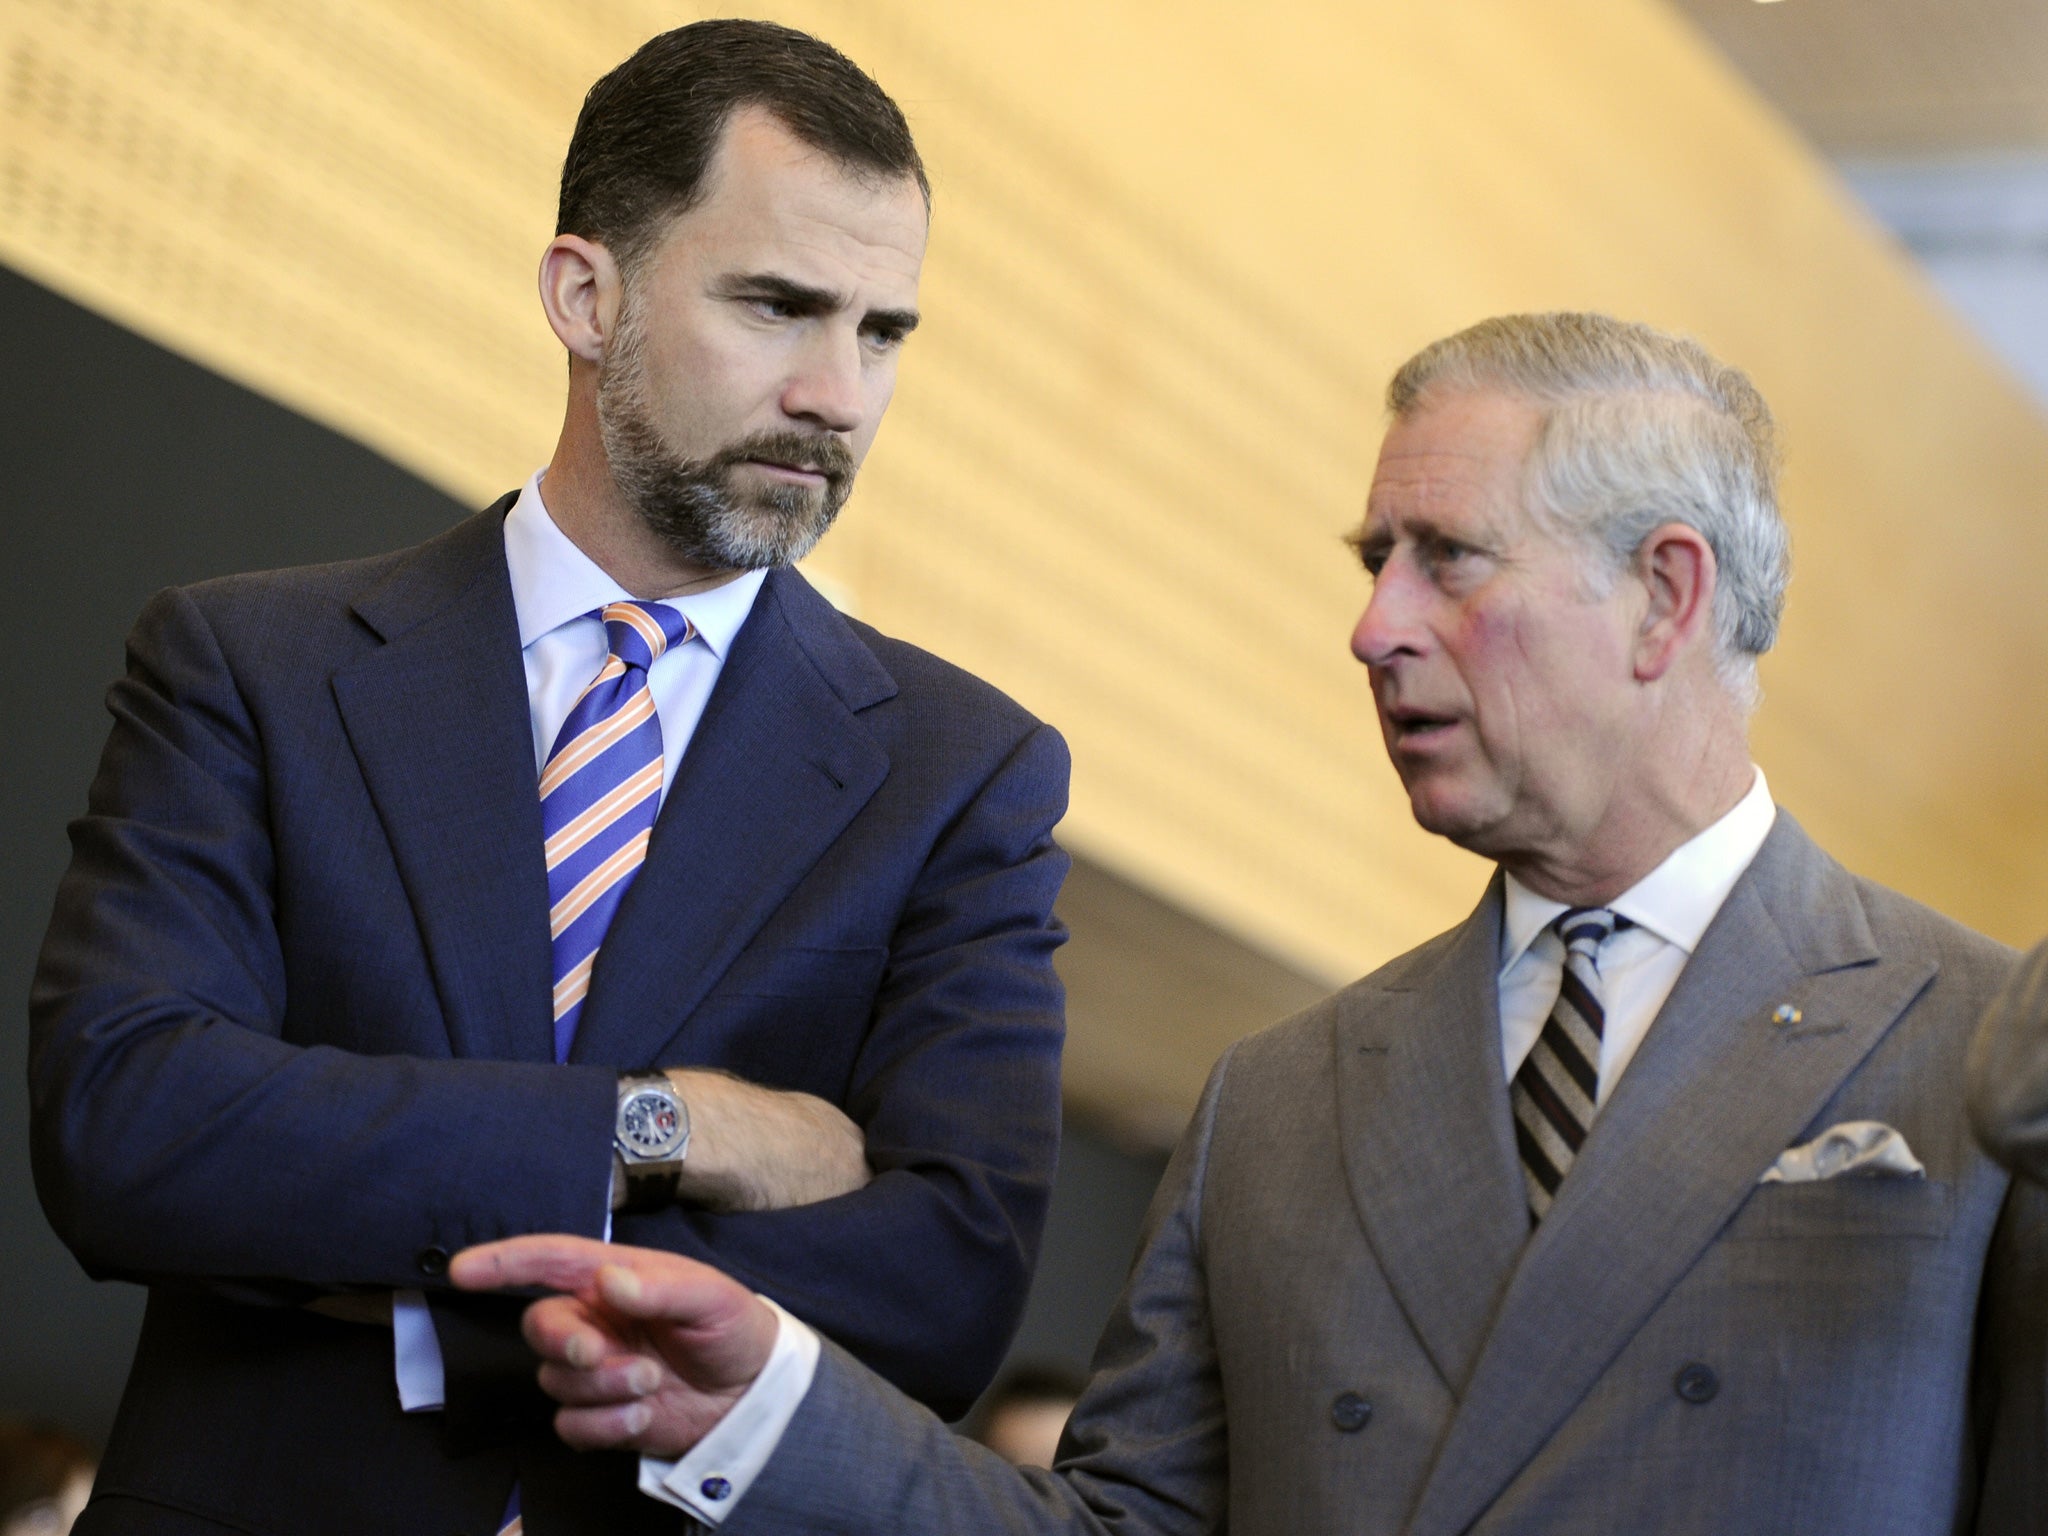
<point>599,791</point>
<point>1555,1091</point>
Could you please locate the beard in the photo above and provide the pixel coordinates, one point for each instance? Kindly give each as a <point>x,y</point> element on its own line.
<point>702,508</point>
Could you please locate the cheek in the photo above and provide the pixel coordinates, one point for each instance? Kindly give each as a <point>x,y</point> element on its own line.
<point>1493,656</point>
<point>877,390</point>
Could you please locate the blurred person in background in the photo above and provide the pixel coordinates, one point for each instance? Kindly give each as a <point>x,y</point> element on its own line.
<point>45,1478</point>
<point>1024,1413</point>
<point>1644,1200</point>
<point>581,868</point>
<point>2009,1070</point>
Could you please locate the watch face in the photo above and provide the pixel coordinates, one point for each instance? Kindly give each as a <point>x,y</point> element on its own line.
<point>650,1124</point>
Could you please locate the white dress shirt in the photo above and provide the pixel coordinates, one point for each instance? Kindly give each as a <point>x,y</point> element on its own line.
<point>1670,907</point>
<point>556,593</point>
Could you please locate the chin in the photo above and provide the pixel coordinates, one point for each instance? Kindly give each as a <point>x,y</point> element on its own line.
<point>1454,818</point>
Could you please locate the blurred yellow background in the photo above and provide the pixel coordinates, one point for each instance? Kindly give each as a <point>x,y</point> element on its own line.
<point>1177,249</point>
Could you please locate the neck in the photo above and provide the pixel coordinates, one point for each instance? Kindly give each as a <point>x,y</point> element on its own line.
<point>588,506</point>
<point>1644,822</point>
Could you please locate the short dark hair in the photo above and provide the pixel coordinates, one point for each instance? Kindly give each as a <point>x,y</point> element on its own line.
<point>647,130</point>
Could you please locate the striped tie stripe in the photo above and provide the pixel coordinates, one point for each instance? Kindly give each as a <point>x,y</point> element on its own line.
<point>593,821</point>
<point>599,883</point>
<point>600,789</point>
<point>1556,1091</point>
<point>571,757</point>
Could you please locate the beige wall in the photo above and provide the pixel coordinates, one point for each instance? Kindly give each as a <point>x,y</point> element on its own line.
<point>1177,248</point>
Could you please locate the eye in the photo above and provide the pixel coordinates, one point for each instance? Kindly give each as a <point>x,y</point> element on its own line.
<point>885,338</point>
<point>769,307</point>
<point>1441,555</point>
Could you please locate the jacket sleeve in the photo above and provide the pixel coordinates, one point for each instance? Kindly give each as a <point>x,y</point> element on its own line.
<point>177,1135</point>
<point>1145,1451</point>
<point>923,1274</point>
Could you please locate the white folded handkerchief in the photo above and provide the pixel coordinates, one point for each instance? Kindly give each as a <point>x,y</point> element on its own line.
<point>1867,1149</point>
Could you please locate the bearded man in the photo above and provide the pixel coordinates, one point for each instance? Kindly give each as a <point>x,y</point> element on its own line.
<point>580,870</point>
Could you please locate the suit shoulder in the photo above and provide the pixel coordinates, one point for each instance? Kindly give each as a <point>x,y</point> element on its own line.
<point>1302,1041</point>
<point>309,593</point>
<point>1896,918</point>
<point>919,672</point>
<point>260,592</point>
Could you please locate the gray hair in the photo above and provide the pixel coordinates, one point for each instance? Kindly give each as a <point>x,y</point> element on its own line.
<point>1640,428</point>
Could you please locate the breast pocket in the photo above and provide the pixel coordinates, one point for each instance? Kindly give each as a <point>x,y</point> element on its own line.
<point>1845,1207</point>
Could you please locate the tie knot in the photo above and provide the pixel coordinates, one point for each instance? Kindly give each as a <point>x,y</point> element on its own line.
<point>1585,929</point>
<point>638,633</point>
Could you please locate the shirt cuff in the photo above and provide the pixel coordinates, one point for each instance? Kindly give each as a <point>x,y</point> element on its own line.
<point>715,1475</point>
<point>416,1352</point>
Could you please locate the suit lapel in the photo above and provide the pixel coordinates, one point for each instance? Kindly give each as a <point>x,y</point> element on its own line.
<point>439,720</point>
<point>1423,1111</point>
<point>1718,1089</point>
<point>778,767</point>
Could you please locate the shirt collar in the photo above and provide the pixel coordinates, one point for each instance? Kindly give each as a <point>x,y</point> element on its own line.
<point>1676,900</point>
<point>554,582</point>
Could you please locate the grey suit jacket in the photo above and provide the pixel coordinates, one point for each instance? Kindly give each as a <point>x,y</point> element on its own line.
<point>1339,1320</point>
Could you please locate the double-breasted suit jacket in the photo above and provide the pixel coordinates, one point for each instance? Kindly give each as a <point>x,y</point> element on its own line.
<point>292,1020</point>
<point>1341,1321</point>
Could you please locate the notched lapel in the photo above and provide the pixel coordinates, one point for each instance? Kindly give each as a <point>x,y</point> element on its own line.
<point>441,728</point>
<point>1423,1111</point>
<point>778,767</point>
<point>1718,1089</point>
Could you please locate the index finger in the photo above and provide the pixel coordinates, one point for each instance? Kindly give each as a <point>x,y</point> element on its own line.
<point>553,1260</point>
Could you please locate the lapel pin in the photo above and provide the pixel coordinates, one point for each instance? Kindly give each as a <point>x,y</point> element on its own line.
<point>1785,1013</point>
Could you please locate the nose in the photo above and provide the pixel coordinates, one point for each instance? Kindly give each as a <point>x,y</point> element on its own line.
<point>1391,624</point>
<point>824,390</point>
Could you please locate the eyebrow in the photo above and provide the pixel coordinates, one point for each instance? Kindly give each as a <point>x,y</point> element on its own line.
<point>808,300</point>
<point>1366,542</point>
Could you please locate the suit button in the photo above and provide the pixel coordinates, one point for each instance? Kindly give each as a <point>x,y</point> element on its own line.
<point>432,1261</point>
<point>1697,1383</point>
<point>1350,1412</point>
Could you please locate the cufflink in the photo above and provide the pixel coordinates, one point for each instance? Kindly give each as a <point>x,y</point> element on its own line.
<point>715,1488</point>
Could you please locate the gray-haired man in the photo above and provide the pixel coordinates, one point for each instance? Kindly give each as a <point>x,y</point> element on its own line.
<point>1643,1200</point>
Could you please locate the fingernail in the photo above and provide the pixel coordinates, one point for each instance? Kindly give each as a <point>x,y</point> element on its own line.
<point>638,1417</point>
<point>642,1377</point>
<point>623,1284</point>
<point>583,1351</point>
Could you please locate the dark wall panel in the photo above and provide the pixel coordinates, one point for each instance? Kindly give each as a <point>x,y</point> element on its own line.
<point>126,469</point>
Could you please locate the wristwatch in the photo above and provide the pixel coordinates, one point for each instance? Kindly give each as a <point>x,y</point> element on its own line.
<point>650,1139</point>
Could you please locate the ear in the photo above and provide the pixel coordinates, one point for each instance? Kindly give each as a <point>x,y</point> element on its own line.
<point>1677,569</point>
<point>580,289</point>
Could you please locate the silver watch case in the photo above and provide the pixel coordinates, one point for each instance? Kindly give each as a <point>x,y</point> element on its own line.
<point>653,1124</point>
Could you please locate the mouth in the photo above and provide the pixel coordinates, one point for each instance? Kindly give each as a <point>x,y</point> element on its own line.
<point>795,473</point>
<point>1418,727</point>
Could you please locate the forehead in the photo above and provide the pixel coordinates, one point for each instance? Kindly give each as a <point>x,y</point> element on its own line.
<point>1454,462</point>
<point>774,203</point>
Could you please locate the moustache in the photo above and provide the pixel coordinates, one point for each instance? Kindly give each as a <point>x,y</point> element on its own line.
<point>814,451</point>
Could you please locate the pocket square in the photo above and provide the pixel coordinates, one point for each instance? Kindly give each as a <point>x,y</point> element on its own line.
<point>1867,1149</point>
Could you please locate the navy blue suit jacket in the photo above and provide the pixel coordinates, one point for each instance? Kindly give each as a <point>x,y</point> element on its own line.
<point>292,1028</point>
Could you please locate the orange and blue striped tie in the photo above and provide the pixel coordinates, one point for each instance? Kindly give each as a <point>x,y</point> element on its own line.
<point>599,792</point>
